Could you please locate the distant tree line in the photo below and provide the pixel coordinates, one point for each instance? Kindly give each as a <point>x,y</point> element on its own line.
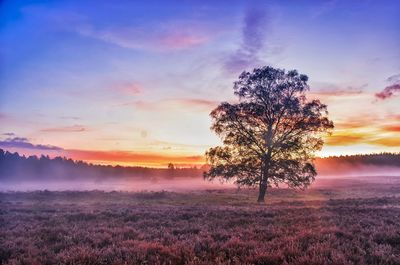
<point>377,159</point>
<point>19,167</point>
<point>14,167</point>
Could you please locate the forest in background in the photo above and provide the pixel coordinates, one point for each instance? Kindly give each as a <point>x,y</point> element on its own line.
<point>14,166</point>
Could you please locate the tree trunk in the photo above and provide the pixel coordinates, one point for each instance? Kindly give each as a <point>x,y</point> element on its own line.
<point>264,177</point>
<point>261,193</point>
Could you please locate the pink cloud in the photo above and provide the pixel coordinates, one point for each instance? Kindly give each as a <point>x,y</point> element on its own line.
<point>202,103</point>
<point>128,87</point>
<point>182,41</point>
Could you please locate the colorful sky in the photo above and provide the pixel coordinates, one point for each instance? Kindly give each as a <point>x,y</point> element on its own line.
<point>133,82</point>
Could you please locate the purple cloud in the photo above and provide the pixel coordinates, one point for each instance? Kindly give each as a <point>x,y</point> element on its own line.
<point>253,40</point>
<point>388,92</point>
<point>9,134</point>
<point>21,142</point>
<point>391,90</point>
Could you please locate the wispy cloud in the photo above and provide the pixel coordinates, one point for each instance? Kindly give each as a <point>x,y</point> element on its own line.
<point>202,103</point>
<point>9,134</point>
<point>394,78</point>
<point>346,138</point>
<point>387,141</point>
<point>162,36</point>
<point>328,90</point>
<point>253,40</point>
<point>127,87</point>
<point>195,104</point>
<point>351,124</point>
<point>73,128</point>
<point>21,142</point>
<point>336,93</point>
<point>166,37</point>
<point>69,118</point>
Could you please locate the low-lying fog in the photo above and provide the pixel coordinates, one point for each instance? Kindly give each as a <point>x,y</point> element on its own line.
<point>179,184</point>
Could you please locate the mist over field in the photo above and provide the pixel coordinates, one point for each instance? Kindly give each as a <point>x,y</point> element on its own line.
<point>19,173</point>
<point>134,185</point>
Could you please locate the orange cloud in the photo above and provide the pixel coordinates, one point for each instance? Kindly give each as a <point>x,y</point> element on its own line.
<point>345,138</point>
<point>359,133</point>
<point>351,124</point>
<point>391,128</point>
<point>387,141</point>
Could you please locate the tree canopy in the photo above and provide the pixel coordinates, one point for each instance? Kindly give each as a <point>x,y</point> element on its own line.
<point>270,136</point>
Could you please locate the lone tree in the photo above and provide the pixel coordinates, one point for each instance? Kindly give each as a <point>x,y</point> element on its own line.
<point>271,135</point>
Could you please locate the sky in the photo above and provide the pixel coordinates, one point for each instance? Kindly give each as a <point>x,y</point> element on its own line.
<point>133,82</point>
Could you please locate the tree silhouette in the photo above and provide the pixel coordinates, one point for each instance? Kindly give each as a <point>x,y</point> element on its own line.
<point>171,166</point>
<point>270,136</point>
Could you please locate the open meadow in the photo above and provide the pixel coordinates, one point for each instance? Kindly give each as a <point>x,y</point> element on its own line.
<point>337,221</point>
<point>199,132</point>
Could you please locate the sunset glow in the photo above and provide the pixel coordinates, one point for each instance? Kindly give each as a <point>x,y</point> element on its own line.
<point>133,83</point>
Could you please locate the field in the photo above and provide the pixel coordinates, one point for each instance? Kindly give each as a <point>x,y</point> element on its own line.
<point>349,221</point>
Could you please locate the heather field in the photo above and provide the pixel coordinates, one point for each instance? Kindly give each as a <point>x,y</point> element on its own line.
<point>348,221</point>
